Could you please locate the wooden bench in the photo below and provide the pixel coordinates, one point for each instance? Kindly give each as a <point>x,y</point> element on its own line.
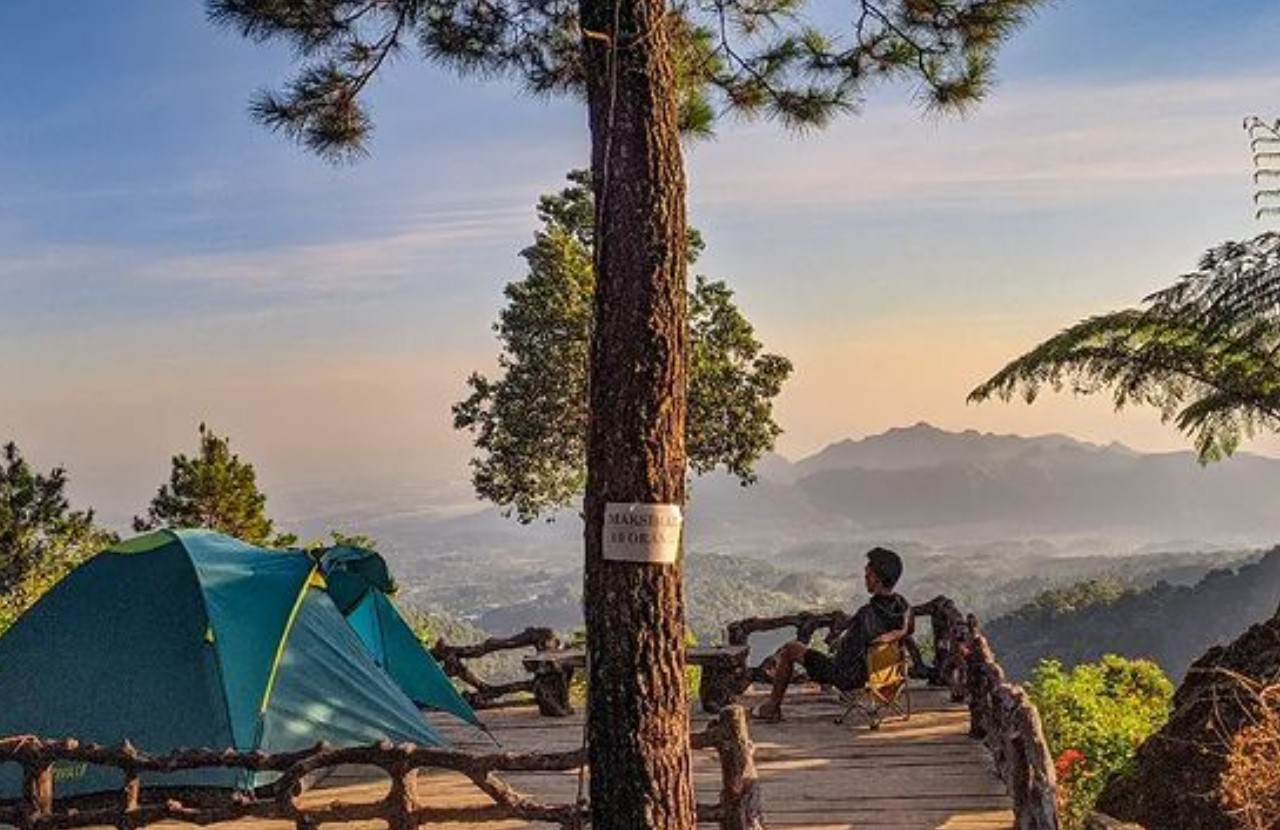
<point>724,676</point>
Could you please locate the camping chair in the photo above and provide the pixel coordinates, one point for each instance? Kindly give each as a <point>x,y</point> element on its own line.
<point>886,687</point>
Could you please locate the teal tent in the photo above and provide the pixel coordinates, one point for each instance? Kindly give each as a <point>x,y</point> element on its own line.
<point>359,582</point>
<point>193,639</point>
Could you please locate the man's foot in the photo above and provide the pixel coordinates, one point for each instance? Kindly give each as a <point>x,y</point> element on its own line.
<point>767,712</point>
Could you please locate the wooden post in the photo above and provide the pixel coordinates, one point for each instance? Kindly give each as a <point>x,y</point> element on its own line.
<point>740,791</point>
<point>402,801</point>
<point>551,690</point>
<point>131,792</point>
<point>1041,800</point>
<point>37,791</point>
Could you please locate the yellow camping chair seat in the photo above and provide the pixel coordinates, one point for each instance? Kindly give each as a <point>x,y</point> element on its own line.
<point>886,688</point>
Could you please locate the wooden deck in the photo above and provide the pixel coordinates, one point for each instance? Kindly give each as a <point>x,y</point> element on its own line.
<point>924,774</point>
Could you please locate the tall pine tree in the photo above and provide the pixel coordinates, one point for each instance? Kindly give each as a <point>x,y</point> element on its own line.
<point>646,69</point>
<point>214,489</point>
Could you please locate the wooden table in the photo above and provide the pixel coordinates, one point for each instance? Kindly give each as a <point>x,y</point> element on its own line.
<point>724,676</point>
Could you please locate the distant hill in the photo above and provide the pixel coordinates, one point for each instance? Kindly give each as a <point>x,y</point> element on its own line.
<point>924,445</point>
<point>1004,486</point>
<point>918,482</point>
<point>1171,624</point>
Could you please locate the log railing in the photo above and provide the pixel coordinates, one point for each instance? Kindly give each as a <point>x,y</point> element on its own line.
<point>136,804</point>
<point>948,625</point>
<point>483,694</point>
<point>806,624</point>
<point>1002,716</point>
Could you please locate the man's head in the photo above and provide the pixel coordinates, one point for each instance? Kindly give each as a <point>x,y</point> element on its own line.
<point>884,569</point>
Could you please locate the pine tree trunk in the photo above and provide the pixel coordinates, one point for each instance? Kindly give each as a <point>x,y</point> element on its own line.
<point>638,722</point>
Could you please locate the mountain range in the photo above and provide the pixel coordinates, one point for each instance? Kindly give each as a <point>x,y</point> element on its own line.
<point>925,483</point>
<point>918,483</point>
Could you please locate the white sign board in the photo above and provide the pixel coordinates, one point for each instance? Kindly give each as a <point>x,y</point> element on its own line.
<point>642,532</point>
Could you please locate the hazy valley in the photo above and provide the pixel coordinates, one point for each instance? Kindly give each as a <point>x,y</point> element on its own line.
<point>992,521</point>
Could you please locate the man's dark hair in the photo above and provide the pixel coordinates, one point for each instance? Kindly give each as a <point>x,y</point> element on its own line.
<point>886,564</point>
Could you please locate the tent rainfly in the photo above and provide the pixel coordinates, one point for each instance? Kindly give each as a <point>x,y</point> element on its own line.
<point>359,582</point>
<point>187,638</point>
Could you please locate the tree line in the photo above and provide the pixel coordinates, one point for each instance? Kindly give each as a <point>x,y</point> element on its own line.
<point>1171,625</point>
<point>42,537</point>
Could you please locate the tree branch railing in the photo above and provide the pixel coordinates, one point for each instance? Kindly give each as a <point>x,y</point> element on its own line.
<point>947,623</point>
<point>483,694</point>
<point>806,624</point>
<point>1003,717</point>
<point>137,804</point>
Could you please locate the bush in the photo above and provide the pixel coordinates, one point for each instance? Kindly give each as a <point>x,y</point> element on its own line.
<point>1095,716</point>
<point>1250,785</point>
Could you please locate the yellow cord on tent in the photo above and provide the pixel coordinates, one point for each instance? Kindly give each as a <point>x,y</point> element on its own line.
<point>314,580</point>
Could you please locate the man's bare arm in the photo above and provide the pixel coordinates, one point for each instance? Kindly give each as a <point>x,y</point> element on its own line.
<point>908,624</point>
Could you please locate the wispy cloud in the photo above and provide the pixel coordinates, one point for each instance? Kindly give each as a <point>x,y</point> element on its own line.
<point>336,268</point>
<point>1031,144</point>
<point>341,265</point>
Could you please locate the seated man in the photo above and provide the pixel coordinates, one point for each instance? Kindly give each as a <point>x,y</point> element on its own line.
<point>886,618</point>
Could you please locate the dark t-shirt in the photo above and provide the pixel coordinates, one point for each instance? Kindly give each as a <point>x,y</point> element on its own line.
<point>882,614</point>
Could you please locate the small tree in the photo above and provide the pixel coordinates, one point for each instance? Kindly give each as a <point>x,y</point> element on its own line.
<point>530,424</point>
<point>1095,716</point>
<point>1202,352</point>
<point>41,537</point>
<point>214,490</point>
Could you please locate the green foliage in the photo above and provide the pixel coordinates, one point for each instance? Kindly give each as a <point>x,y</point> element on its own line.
<point>216,490</point>
<point>1095,716</point>
<point>530,424</point>
<point>339,539</point>
<point>752,58</point>
<point>1169,624</point>
<point>1077,597</point>
<point>41,537</point>
<point>1202,351</point>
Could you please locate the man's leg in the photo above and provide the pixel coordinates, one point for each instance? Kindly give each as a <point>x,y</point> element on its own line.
<point>784,666</point>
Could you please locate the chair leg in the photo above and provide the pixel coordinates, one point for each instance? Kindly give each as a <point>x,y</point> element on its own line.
<point>849,706</point>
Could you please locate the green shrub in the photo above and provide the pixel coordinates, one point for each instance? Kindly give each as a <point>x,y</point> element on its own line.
<point>1095,716</point>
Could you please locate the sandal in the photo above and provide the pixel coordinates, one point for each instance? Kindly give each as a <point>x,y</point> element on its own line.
<point>767,713</point>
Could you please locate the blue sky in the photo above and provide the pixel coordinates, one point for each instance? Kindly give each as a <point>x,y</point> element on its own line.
<point>166,260</point>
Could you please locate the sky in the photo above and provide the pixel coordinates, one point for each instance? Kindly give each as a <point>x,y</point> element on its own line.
<point>166,261</point>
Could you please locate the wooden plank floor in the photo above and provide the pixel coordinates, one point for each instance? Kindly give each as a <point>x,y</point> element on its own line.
<point>923,774</point>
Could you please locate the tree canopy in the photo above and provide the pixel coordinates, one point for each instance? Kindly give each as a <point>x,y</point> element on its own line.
<point>1202,351</point>
<point>754,58</point>
<point>41,537</point>
<point>1171,624</point>
<point>214,489</point>
<point>530,423</point>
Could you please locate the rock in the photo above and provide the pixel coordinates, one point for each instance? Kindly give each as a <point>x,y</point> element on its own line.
<point>1098,821</point>
<point>1175,785</point>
